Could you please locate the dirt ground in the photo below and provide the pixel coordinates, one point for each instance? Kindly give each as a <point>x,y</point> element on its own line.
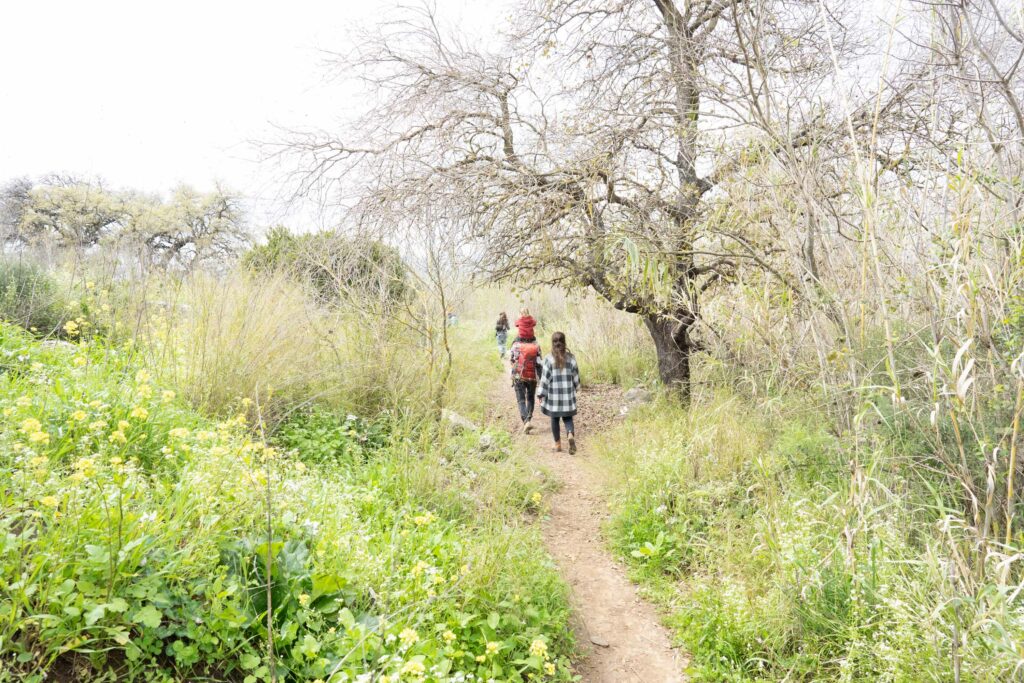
<point>621,636</point>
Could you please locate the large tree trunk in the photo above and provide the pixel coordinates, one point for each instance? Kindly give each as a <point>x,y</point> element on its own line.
<point>673,346</point>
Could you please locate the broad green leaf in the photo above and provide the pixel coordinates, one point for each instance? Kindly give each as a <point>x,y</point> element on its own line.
<point>148,616</point>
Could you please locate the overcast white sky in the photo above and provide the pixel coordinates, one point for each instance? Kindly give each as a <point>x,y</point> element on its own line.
<point>151,94</point>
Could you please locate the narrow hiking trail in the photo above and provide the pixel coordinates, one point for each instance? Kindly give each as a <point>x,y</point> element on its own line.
<point>621,637</point>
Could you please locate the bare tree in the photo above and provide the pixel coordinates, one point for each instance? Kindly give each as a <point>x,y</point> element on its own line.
<point>595,150</point>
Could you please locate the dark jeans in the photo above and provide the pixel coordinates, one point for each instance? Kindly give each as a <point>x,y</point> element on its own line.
<point>526,392</point>
<point>569,427</point>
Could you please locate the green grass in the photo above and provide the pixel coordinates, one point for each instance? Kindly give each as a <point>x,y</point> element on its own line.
<point>135,540</point>
<point>740,519</point>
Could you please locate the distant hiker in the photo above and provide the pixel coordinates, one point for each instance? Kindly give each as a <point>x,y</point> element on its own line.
<point>452,318</point>
<point>525,359</point>
<point>559,381</point>
<point>501,332</point>
<point>525,324</point>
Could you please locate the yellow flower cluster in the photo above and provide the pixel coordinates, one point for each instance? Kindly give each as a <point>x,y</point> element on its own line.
<point>414,668</point>
<point>85,468</point>
<point>408,637</point>
<point>538,648</point>
<point>33,429</point>
<point>424,519</point>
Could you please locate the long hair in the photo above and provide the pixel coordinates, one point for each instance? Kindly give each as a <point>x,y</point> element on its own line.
<point>503,319</point>
<point>559,351</point>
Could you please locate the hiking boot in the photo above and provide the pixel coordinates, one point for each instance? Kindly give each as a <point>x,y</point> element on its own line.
<point>527,427</point>
<point>557,448</point>
<point>572,445</point>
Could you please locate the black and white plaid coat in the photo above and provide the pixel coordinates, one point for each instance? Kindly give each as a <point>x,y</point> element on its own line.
<point>558,387</point>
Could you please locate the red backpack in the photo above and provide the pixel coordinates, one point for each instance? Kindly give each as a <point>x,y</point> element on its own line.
<point>526,361</point>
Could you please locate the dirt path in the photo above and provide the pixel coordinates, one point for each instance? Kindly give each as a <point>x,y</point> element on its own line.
<point>621,636</point>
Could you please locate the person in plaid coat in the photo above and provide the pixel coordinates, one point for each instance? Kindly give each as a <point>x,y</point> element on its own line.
<point>559,382</point>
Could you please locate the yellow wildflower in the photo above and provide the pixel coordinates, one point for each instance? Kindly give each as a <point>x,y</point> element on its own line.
<point>139,412</point>
<point>408,637</point>
<point>117,437</point>
<point>419,567</point>
<point>124,425</point>
<point>96,404</point>
<point>79,415</point>
<point>79,361</point>
<point>448,636</point>
<point>178,433</point>
<point>39,461</point>
<point>144,391</point>
<point>39,437</point>
<point>481,658</point>
<point>536,498</point>
<point>549,668</point>
<point>23,402</point>
<point>30,425</point>
<point>304,599</point>
<point>50,501</point>
<point>414,668</point>
<point>167,395</point>
<point>141,377</point>
<point>87,466</point>
<point>97,426</point>
<point>115,461</point>
<point>464,569</point>
<point>493,647</point>
<point>71,327</point>
<point>8,411</point>
<point>90,284</point>
<point>538,648</point>
<point>423,520</point>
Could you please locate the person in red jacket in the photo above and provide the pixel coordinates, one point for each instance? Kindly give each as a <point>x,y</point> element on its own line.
<point>525,361</point>
<point>525,324</point>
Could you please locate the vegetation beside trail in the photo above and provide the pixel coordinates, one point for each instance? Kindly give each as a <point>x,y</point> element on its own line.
<point>136,528</point>
<point>780,550</point>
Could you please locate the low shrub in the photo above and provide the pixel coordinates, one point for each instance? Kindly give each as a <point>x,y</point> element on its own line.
<point>29,297</point>
<point>321,436</point>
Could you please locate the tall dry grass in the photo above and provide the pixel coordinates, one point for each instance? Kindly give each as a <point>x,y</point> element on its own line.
<point>611,346</point>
